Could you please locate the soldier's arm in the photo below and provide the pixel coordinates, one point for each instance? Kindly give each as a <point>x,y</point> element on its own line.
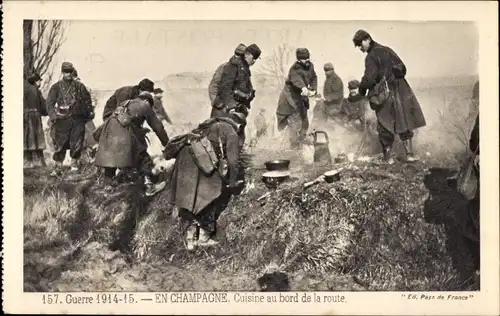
<point>296,79</point>
<point>157,126</point>
<point>52,100</point>
<point>314,79</point>
<point>399,67</point>
<point>370,76</point>
<point>232,153</point>
<point>43,104</point>
<point>227,80</point>
<point>110,107</point>
<point>87,99</point>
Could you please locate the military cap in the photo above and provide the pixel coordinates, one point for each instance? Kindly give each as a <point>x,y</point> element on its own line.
<point>147,85</point>
<point>328,66</point>
<point>302,53</point>
<point>34,77</point>
<point>67,67</point>
<point>353,84</point>
<point>254,50</point>
<point>360,36</point>
<point>240,49</point>
<point>145,95</point>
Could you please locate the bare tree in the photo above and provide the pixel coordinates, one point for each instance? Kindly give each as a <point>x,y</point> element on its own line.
<point>276,66</point>
<point>42,41</point>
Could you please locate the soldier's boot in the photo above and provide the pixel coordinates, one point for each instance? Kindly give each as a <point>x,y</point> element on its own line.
<point>204,238</point>
<point>153,188</point>
<point>410,156</point>
<point>387,157</point>
<point>58,167</point>
<point>75,164</point>
<point>191,237</point>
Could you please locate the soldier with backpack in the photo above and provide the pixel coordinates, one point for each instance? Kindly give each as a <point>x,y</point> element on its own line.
<point>206,174</point>
<point>122,140</point>
<point>69,106</point>
<point>213,87</point>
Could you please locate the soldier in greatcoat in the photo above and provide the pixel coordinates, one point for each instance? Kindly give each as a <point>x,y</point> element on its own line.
<point>213,87</point>
<point>34,109</point>
<point>400,113</point>
<point>69,106</point>
<point>236,90</point>
<point>293,103</point>
<point>122,140</point>
<point>198,197</point>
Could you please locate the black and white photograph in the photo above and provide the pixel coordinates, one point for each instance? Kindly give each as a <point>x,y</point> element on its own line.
<point>247,155</point>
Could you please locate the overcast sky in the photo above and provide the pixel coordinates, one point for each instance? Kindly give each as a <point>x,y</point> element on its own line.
<point>109,54</point>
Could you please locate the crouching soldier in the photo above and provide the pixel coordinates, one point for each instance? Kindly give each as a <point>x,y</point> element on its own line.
<point>355,106</point>
<point>69,106</point>
<point>122,140</point>
<point>206,174</point>
<point>333,94</point>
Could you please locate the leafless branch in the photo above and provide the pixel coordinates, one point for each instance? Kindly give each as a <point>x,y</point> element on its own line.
<point>42,41</point>
<point>277,64</point>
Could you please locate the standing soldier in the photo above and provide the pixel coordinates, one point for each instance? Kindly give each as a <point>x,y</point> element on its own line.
<point>235,89</point>
<point>355,106</point>
<point>122,141</point>
<point>213,87</point>
<point>293,104</point>
<point>70,107</point>
<point>158,108</point>
<point>390,96</point>
<point>126,93</point>
<point>34,109</point>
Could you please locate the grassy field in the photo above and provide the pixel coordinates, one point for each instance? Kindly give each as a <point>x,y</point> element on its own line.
<point>381,228</point>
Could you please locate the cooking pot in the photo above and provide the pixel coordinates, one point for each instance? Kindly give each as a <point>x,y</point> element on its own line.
<point>277,165</point>
<point>331,176</point>
<point>272,179</point>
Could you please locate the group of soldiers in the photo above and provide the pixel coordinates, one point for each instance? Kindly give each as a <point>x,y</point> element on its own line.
<point>208,169</point>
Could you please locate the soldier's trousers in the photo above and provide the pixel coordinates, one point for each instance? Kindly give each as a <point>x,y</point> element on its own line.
<point>67,133</point>
<point>207,218</point>
<point>298,125</point>
<point>387,138</point>
<point>144,167</point>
